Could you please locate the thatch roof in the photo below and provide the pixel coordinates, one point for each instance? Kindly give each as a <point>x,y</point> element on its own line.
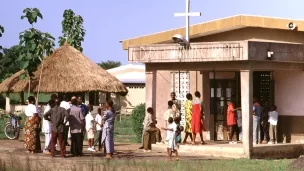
<point>14,83</point>
<point>68,70</point>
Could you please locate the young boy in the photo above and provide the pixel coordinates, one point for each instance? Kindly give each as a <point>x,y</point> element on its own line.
<point>273,120</point>
<point>90,128</point>
<point>98,121</point>
<point>171,138</point>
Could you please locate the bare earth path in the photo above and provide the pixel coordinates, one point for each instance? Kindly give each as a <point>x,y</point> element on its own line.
<point>12,152</point>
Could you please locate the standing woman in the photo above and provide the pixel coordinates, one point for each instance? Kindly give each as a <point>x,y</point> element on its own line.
<point>32,127</point>
<point>108,130</point>
<point>197,122</point>
<point>188,112</point>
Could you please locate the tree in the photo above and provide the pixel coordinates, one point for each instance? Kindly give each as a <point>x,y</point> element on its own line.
<point>9,61</point>
<point>109,64</point>
<point>72,29</point>
<point>1,33</point>
<point>35,44</point>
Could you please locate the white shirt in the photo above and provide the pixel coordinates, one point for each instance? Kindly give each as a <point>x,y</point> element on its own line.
<point>67,106</point>
<point>98,119</point>
<point>273,117</point>
<point>170,134</point>
<point>30,109</point>
<point>46,125</point>
<point>89,124</point>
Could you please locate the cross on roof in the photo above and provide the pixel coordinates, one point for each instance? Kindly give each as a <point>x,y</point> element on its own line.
<point>187,15</point>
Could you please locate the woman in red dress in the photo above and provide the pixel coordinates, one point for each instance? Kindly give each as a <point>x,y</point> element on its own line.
<point>231,121</point>
<point>197,122</point>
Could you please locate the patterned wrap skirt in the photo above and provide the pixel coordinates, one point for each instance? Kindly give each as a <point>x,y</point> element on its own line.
<point>32,130</point>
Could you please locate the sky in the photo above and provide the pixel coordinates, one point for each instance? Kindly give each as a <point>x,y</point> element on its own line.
<point>109,21</point>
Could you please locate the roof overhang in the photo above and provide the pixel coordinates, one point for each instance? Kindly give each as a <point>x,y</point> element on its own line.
<point>214,27</point>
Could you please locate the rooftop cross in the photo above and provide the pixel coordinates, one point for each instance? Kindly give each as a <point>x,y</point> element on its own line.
<point>187,15</point>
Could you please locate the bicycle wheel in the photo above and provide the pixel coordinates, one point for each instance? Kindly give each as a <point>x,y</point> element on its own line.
<point>10,132</point>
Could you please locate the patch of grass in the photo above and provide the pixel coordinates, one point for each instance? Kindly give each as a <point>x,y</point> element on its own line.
<point>2,125</point>
<point>123,131</point>
<point>202,165</point>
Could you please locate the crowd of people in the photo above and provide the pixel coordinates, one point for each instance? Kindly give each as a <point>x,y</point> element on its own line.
<point>72,120</point>
<point>194,123</point>
<point>194,117</point>
<point>265,121</point>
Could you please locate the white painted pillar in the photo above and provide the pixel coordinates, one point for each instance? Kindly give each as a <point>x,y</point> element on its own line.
<point>7,103</point>
<point>246,97</point>
<point>86,98</point>
<point>149,89</point>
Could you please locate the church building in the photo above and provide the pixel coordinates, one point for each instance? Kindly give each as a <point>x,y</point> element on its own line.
<point>234,58</point>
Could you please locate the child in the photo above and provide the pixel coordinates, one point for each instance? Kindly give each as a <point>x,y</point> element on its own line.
<point>179,129</point>
<point>169,112</point>
<point>98,121</point>
<point>171,138</point>
<point>90,128</point>
<point>273,120</point>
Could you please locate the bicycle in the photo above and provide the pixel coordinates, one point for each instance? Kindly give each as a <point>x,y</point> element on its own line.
<point>12,127</point>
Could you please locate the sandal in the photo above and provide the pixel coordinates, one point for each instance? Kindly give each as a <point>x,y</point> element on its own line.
<point>177,159</point>
<point>203,143</point>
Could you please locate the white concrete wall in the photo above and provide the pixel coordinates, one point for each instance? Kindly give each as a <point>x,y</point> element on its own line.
<point>289,92</point>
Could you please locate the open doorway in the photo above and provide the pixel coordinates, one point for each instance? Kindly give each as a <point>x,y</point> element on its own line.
<point>225,86</point>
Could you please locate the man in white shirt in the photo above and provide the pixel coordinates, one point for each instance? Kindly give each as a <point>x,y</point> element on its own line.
<point>273,120</point>
<point>66,133</point>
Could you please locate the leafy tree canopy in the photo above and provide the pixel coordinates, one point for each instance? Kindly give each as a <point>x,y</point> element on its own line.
<point>109,64</point>
<point>72,29</point>
<point>35,44</point>
<point>1,33</point>
<point>32,15</point>
<point>9,66</point>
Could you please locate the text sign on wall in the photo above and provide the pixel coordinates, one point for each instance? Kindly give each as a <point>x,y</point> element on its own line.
<point>178,53</point>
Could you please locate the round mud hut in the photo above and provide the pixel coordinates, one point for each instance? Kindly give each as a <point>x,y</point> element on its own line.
<point>67,71</point>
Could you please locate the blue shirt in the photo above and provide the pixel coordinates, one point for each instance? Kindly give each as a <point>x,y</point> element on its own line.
<point>84,109</point>
<point>257,110</point>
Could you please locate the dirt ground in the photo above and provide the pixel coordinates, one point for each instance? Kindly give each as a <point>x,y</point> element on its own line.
<point>12,151</point>
<point>298,164</point>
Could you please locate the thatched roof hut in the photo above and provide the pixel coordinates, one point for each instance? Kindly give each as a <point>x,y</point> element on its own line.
<point>14,84</point>
<point>68,70</point>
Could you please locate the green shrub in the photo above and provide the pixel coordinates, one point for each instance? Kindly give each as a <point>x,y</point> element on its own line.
<point>138,116</point>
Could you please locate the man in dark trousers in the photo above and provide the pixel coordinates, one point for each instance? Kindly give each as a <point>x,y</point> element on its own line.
<point>56,116</point>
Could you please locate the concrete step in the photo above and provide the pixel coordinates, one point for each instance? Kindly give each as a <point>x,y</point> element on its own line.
<point>216,150</point>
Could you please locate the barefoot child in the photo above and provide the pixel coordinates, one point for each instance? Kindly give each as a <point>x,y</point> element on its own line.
<point>171,138</point>
<point>90,128</point>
